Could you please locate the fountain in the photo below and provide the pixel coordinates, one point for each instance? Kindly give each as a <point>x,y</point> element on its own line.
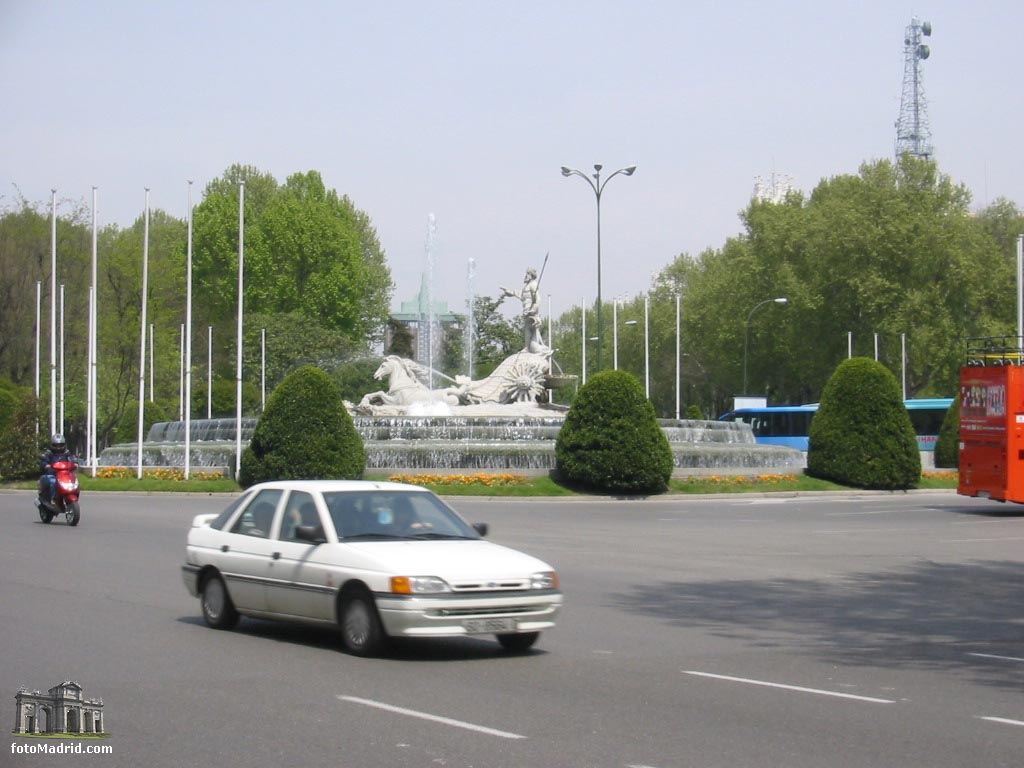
<point>501,423</point>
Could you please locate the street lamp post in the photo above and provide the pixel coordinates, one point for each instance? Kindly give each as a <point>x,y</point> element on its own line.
<point>746,335</point>
<point>598,186</point>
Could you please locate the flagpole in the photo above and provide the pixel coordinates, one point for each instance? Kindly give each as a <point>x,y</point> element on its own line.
<point>93,343</point>
<point>60,420</point>
<point>238,366</point>
<point>188,341</point>
<point>53,311</point>
<point>142,345</point>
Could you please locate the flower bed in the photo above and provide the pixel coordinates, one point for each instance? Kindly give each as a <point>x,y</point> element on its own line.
<point>480,478</point>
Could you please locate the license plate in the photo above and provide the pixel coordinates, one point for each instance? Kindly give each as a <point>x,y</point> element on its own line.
<point>486,626</point>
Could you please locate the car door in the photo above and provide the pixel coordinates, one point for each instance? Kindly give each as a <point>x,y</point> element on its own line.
<point>300,584</point>
<point>246,554</point>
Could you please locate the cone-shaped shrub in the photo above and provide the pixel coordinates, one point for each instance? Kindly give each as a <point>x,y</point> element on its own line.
<point>611,441</point>
<point>305,433</point>
<point>947,446</point>
<point>861,434</point>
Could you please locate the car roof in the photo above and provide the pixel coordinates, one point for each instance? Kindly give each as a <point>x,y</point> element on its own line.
<point>338,486</point>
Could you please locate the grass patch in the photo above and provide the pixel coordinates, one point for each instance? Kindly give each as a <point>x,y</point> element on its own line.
<point>88,483</point>
<point>496,484</point>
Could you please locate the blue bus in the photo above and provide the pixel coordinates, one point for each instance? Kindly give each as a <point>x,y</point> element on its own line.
<point>789,425</point>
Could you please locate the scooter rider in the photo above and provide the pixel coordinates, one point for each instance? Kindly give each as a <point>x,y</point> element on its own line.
<point>48,481</point>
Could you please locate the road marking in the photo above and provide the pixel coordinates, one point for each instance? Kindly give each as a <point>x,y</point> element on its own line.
<point>433,718</point>
<point>796,688</point>
<point>865,512</point>
<point>993,656</point>
<point>976,541</point>
<point>1002,720</point>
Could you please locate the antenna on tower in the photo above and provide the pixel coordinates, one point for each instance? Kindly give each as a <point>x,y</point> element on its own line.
<point>913,136</point>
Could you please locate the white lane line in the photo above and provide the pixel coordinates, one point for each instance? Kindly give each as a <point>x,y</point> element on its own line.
<point>796,688</point>
<point>864,512</point>
<point>993,656</point>
<point>981,541</point>
<point>433,718</point>
<point>1002,720</point>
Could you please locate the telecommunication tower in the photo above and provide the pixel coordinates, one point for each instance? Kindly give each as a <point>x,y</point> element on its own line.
<point>913,136</point>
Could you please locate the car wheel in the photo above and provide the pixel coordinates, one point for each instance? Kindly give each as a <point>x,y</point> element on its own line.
<point>218,610</point>
<point>518,643</point>
<point>361,630</point>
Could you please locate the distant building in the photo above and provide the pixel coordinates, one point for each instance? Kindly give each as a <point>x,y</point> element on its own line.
<point>62,709</point>
<point>773,189</point>
<point>415,315</point>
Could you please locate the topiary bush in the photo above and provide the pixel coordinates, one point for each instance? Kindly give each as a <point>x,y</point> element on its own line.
<point>947,446</point>
<point>861,434</point>
<point>611,441</point>
<point>694,412</point>
<point>305,433</point>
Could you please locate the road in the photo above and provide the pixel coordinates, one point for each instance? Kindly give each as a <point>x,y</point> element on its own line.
<point>808,631</point>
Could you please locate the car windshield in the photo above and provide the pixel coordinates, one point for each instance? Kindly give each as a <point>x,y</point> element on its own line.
<point>369,515</point>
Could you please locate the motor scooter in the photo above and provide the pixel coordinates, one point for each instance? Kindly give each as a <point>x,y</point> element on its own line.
<point>66,502</point>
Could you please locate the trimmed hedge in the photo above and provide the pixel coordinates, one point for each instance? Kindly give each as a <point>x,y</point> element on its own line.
<point>611,441</point>
<point>305,433</point>
<point>861,434</point>
<point>947,446</point>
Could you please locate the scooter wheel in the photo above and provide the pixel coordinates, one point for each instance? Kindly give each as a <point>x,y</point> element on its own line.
<point>72,513</point>
<point>45,515</point>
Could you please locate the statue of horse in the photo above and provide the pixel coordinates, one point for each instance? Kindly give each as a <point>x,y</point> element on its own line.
<point>404,387</point>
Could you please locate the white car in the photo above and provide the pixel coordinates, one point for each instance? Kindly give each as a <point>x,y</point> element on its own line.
<point>377,559</point>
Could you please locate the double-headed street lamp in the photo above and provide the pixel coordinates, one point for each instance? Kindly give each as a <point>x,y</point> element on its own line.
<point>598,186</point>
<point>746,334</point>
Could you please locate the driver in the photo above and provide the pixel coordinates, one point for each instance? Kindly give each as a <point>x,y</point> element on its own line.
<point>48,481</point>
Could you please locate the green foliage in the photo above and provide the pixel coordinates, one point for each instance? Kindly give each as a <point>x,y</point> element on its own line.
<point>495,337</point>
<point>355,378</point>
<point>947,446</point>
<point>694,412</point>
<point>10,397</point>
<point>400,339</point>
<point>611,441</point>
<point>305,433</point>
<point>307,251</point>
<point>292,340</point>
<point>861,434</point>
<point>21,442</point>
<point>126,430</point>
<point>225,392</point>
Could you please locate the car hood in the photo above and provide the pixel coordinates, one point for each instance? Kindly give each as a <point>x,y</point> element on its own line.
<point>448,559</point>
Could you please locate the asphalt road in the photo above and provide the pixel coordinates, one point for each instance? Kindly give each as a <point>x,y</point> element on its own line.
<point>800,632</point>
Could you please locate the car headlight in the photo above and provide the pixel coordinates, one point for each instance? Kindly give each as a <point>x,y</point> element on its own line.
<point>418,585</point>
<point>544,580</point>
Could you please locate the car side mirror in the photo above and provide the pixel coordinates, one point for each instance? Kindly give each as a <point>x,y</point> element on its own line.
<point>314,534</point>
<point>480,528</point>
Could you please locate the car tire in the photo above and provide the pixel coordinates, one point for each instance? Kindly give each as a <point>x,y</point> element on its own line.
<point>361,631</point>
<point>519,642</point>
<point>218,610</point>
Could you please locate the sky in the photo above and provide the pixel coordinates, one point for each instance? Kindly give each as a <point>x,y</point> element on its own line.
<point>467,111</point>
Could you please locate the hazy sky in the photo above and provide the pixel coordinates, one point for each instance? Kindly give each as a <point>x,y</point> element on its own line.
<point>467,110</point>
